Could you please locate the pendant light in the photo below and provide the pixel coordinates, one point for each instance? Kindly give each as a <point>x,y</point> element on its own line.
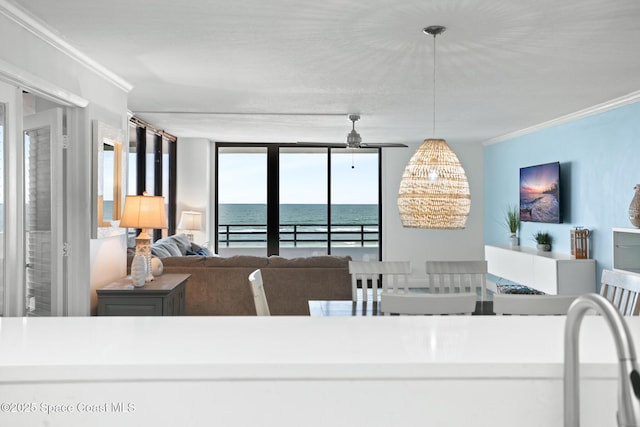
<point>434,191</point>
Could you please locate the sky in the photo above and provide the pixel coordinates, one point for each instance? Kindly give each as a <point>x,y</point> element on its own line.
<point>303,178</point>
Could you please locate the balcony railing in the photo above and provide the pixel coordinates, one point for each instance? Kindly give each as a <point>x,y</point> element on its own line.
<point>299,235</point>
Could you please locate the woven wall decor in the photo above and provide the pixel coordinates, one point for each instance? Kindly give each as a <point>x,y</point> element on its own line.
<point>434,191</point>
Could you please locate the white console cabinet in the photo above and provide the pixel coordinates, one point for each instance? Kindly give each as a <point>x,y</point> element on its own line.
<point>550,272</point>
<point>626,249</point>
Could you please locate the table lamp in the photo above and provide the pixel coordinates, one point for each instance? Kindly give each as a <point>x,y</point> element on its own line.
<point>144,212</point>
<point>190,221</point>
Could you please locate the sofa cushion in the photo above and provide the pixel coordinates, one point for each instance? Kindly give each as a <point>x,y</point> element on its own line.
<point>306,262</point>
<point>237,261</point>
<point>184,261</point>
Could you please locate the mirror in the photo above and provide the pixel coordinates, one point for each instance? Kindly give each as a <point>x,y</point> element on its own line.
<point>108,188</point>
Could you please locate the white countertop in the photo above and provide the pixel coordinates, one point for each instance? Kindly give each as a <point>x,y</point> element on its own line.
<point>113,348</point>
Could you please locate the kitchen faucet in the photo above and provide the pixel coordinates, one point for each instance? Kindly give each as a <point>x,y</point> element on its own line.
<point>628,377</point>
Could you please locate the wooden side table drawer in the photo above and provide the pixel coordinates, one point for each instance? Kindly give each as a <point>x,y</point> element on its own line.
<point>129,306</point>
<point>164,296</point>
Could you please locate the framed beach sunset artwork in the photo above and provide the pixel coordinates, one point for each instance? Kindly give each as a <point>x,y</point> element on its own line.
<point>540,193</point>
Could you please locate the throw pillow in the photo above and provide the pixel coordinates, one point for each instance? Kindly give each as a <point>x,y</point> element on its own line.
<point>165,249</point>
<point>201,251</point>
<point>173,249</point>
<point>160,251</point>
<point>181,241</point>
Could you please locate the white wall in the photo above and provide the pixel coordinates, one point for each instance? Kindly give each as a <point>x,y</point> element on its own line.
<point>399,243</point>
<point>193,181</point>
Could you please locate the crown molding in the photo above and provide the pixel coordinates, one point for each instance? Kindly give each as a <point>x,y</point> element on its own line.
<point>596,109</point>
<point>42,31</point>
<point>34,84</point>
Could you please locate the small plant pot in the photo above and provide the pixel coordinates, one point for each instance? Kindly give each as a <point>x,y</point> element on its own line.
<point>513,240</point>
<point>544,247</point>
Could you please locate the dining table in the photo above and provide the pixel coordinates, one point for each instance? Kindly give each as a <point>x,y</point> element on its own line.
<point>325,308</point>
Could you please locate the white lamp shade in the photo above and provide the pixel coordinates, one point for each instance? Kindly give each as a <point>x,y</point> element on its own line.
<point>190,220</point>
<point>144,212</point>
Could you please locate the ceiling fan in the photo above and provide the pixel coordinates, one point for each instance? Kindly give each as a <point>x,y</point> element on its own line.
<point>354,140</point>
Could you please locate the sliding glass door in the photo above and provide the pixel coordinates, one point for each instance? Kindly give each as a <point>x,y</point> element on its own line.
<point>3,126</point>
<point>242,201</point>
<point>304,198</point>
<point>355,203</point>
<point>152,169</point>
<point>43,208</point>
<point>297,201</point>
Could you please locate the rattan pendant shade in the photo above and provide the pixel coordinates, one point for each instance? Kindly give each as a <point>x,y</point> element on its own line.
<point>434,191</point>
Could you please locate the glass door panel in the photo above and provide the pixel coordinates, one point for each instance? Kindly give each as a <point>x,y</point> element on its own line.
<point>303,202</point>
<point>355,203</point>
<point>165,181</point>
<point>43,213</point>
<point>2,205</point>
<point>242,201</point>
<point>150,160</point>
<point>132,158</point>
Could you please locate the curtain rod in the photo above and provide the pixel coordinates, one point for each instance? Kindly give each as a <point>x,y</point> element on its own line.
<point>141,123</point>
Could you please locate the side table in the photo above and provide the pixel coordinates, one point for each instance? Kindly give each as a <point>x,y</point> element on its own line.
<point>164,296</point>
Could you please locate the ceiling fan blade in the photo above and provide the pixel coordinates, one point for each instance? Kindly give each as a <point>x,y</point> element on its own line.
<point>383,144</point>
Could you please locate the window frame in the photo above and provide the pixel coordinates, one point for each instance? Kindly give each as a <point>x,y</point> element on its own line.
<point>273,191</point>
<point>159,138</point>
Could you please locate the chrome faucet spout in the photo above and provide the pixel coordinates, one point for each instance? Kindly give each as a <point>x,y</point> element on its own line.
<point>628,376</point>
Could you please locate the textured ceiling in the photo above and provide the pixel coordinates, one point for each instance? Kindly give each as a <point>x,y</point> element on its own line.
<point>291,70</point>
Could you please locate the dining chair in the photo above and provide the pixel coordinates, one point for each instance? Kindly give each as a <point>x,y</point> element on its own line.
<point>457,277</point>
<point>517,304</point>
<point>391,274</point>
<point>398,298</point>
<point>259,297</point>
<point>622,290</point>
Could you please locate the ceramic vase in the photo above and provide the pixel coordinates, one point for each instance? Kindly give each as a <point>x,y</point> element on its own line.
<point>138,270</point>
<point>634,207</point>
<point>156,266</point>
<point>543,247</point>
<point>513,240</point>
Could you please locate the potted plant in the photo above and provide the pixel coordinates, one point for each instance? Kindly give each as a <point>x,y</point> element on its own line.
<point>512,218</point>
<point>544,240</point>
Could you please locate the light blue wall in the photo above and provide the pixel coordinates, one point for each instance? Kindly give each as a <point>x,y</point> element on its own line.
<point>600,164</point>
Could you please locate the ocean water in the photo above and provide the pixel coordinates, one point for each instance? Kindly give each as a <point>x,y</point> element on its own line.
<point>107,213</point>
<point>349,223</point>
<point>289,214</point>
<point>298,214</point>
